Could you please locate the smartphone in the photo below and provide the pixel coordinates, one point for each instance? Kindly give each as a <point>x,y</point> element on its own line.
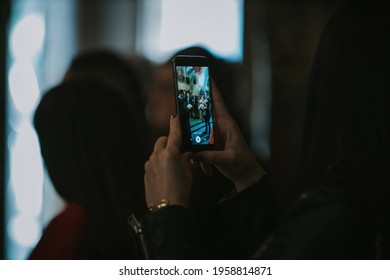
<point>194,102</point>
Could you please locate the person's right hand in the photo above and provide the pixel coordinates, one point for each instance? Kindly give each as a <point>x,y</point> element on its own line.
<point>235,161</point>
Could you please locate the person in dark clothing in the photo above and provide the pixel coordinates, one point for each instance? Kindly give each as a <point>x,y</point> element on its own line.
<point>182,104</point>
<point>343,211</point>
<point>194,109</point>
<point>207,117</point>
<point>91,139</point>
<point>119,72</point>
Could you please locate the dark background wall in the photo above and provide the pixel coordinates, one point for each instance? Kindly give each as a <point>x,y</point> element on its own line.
<point>102,23</point>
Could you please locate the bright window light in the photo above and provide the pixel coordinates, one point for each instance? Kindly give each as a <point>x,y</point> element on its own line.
<point>28,36</point>
<point>26,171</point>
<point>24,230</point>
<point>214,24</point>
<point>25,182</point>
<point>23,86</point>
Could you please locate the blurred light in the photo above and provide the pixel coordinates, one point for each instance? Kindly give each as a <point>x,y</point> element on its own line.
<point>24,230</point>
<point>27,37</point>
<point>25,182</point>
<point>23,86</point>
<point>26,171</point>
<point>217,25</point>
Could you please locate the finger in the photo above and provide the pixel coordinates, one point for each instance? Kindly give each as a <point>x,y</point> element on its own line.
<point>146,166</point>
<point>160,144</point>
<point>174,138</point>
<point>186,159</point>
<point>207,169</point>
<point>149,192</point>
<point>195,166</point>
<point>186,156</point>
<point>220,107</point>
<point>212,157</point>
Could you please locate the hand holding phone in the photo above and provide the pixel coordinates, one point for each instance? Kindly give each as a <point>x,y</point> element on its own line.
<point>235,160</point>
<point>168,172</point>
<point>194,103</point>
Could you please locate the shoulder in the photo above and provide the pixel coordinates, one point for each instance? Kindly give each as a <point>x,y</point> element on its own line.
<point>324,199</point>
<point>62,237</point>
<point>72,216</point>
<point>322,225</point>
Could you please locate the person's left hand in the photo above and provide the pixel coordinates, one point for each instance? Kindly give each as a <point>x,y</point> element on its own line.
<point>168,174</point>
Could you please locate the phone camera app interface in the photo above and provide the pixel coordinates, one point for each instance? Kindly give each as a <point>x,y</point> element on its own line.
<point>194,103</point>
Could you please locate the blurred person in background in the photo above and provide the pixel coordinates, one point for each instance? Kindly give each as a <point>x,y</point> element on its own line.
<point>92,142</point>
<point>123,73</point>
<point>126,74</point>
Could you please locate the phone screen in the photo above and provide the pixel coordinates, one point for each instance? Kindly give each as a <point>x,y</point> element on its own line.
<point>194,104</point>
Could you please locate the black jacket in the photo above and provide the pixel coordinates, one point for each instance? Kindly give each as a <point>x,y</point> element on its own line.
<point>321,225</point>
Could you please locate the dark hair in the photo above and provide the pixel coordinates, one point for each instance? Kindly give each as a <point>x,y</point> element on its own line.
<point>348,109</point>
<point>91,142</point>
<point>110,67</point>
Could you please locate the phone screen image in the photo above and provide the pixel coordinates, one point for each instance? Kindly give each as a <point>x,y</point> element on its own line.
<point>194,104</point>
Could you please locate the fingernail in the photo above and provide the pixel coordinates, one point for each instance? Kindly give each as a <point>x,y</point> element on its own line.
<point>173,116</point>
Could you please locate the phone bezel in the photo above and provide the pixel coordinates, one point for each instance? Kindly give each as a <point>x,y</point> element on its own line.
<point>192,60</point>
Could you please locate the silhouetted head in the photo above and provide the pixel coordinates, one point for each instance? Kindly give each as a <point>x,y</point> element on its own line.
<point>348,109</point>
<point>110,67</point>
<point>91,140</point>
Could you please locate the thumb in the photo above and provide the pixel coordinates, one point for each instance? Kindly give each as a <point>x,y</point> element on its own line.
<point>186,157</point>
<point>174,137</point>
<point>207,169</point>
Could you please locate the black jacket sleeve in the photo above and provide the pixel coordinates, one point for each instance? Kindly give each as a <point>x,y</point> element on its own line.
<point>251,213</point>
<point>170,233</point>
<point>321,225</point>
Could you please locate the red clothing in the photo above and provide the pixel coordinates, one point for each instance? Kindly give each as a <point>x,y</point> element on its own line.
<point>63,237</point>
